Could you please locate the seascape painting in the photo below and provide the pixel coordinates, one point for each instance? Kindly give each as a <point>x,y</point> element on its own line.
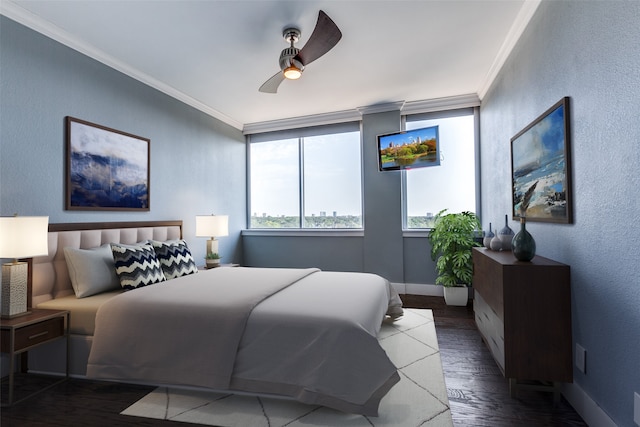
<point>106,169</point>
<point>540,161</point>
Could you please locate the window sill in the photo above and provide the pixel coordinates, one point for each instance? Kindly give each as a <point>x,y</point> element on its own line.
<point>326,232</point>
<point>416,233</point>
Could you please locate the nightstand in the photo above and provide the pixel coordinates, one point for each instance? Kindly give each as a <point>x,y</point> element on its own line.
<point>23,333</point>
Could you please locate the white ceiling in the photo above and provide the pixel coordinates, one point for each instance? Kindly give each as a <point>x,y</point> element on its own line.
<point>215,54</point>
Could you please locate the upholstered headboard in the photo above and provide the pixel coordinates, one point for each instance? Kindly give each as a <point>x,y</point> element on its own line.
<point>50,277</point>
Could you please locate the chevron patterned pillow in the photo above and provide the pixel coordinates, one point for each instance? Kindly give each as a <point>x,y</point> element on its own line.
<point>175,258</point>
<point>136,266</point>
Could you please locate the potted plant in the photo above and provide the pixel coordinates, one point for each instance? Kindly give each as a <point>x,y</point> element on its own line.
<point>212,260</point>
<point>452,238</point>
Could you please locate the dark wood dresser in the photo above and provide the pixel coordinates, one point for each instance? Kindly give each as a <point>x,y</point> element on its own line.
<point>523,312</point>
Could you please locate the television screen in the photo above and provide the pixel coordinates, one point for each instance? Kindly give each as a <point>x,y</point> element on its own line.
<point>410,149</point>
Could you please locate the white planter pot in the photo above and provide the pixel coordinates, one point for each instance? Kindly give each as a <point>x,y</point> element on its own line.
<point>456,295</point>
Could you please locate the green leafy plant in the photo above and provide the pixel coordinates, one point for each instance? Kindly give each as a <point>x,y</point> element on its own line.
<point>213,256</point>
<point>451,241</point>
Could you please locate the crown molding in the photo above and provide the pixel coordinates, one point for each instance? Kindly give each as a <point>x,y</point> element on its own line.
<point>34,22</point>
<point>441,104</point>
<point>522,20</point>
<point>413,107</point>
<point>302,121</point>
<point>381,108</point>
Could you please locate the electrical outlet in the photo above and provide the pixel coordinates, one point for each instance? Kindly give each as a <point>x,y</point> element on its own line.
<point>636,408</point>
<point>581,358</point>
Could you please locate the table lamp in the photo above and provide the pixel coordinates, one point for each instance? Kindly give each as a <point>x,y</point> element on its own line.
<point>212,226</point>
<point>20,237</point>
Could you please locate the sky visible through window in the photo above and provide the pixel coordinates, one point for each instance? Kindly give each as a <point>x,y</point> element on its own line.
<point>274,178</point>
<point>332,177</point>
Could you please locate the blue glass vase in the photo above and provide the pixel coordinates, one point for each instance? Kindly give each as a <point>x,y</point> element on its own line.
<point>523,244</point>
<point>506,235</point>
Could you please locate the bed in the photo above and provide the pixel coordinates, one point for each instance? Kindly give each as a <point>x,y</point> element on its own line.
<point>303,334</point>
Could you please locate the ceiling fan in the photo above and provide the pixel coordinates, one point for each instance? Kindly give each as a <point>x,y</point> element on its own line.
<point>325,36</point>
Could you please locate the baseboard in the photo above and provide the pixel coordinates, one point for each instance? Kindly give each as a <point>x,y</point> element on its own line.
<point>418,289</point>
<point>585,406</point>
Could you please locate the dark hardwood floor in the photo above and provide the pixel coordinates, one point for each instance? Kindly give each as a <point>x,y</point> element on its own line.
<point>478,393</point>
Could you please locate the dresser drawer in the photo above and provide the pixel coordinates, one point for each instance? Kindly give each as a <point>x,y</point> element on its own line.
<point>40,332</point>
<point>497,340</point>
<point>491,328</point>
<point>481,311</point>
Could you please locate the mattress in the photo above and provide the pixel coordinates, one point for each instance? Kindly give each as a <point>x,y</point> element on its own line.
<point>82,319</point>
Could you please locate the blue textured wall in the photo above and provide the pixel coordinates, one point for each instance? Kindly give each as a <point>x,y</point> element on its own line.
<point>198,164</point>
<point>588,51</point>
<point>383,250</point>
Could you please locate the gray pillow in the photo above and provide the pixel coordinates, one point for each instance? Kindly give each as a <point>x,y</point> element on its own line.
<point>92,271</point>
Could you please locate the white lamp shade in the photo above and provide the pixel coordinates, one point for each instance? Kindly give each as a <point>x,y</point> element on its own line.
<point>212,225</point>
<point>23,236</point>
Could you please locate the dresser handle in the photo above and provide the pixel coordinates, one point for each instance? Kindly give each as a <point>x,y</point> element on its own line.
<point>38,335</point>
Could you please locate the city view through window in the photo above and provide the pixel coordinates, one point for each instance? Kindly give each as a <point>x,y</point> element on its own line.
<point>317,179</point>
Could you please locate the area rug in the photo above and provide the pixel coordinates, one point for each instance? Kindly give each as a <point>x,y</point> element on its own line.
<point>419,399</point>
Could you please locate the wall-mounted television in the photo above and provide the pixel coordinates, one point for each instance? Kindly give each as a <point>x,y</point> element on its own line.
<point>411,149</point>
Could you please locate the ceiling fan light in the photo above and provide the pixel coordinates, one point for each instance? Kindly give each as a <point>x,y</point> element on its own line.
<point>292,72</point>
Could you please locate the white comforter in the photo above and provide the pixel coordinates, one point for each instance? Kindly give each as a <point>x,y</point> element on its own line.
<point>302,333</point>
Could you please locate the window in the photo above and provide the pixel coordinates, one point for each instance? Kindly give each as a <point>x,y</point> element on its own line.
<point>312,180</point>
<point>452,185</point>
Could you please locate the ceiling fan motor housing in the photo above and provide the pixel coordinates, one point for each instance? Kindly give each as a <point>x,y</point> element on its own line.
<point>286,58</point>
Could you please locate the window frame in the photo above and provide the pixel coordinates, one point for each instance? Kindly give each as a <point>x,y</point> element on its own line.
<point>300,134</point>
<point>434,115</point>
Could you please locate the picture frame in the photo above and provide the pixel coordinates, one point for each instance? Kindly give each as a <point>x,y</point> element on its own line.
<point>541,167</point>
<point>106,169</point>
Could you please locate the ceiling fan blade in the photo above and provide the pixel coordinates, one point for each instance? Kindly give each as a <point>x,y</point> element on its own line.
<point>324,37</point>
<point>271,85</point>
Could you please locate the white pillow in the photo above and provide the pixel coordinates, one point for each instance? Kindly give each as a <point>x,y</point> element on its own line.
<point>92,271</point>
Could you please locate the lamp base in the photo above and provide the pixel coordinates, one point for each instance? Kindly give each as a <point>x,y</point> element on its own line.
<point>212,246</point>
<point>14,290</point>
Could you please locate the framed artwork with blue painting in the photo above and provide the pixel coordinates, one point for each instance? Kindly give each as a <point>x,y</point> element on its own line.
<point>106,169</point>
<point>541,167</point>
